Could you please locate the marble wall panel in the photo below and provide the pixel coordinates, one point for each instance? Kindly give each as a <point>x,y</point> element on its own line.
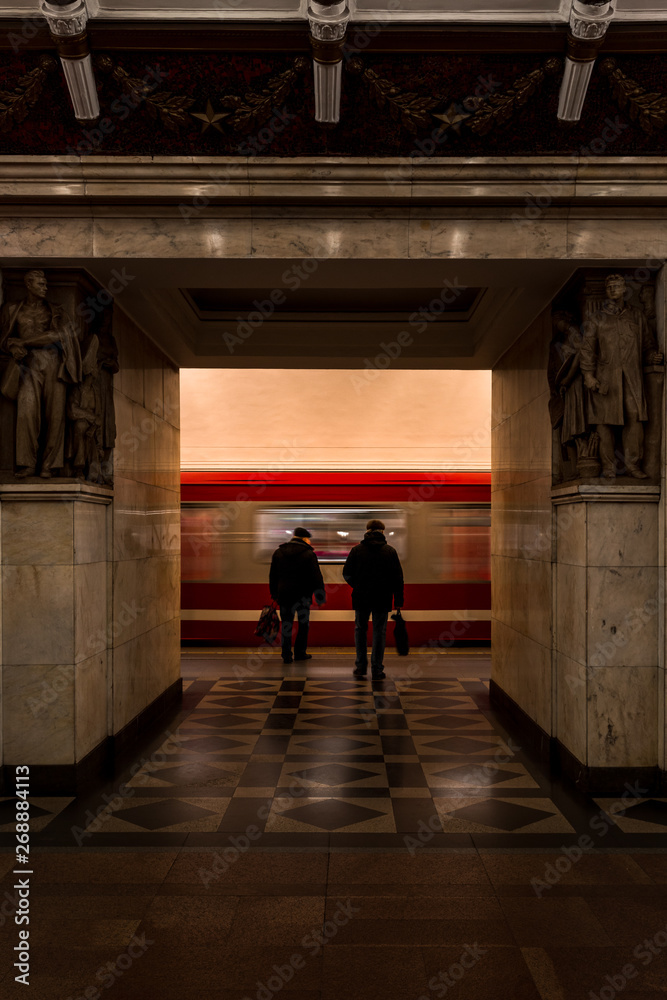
<point>571,717</point>
<point>131,662</point>
<point>522,668</point>
<point>431,235</point>
<point>167,456</point>
<point>29,237</point>
<point>153,382</point>
<point>174,237</point>
<point>629,237</point>
<point>146,538</point>
<point>134,600</point>
<point>571,534</point>
<point>38,614</point>
<point>570,611</point>
<point>383,233</point>
<point>90,708</point>
<point>130,379</point>
<point>91,542</point>
<point>91,610</point>
<point>623,616</point>
<point>623,716</point>
<point>171,388</point>
<point>522,519</point>
<point>531,613</point>
<point>38,709</point>
<point>534,520</point>
<point>37,533</point>
<point>164,662</point>
<point>622,534</point>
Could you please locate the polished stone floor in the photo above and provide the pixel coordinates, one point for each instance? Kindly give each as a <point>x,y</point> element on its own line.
<point>295,832</point>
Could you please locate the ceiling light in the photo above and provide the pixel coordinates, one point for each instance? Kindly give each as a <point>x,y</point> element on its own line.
<point>588,26</point>
<point>67,24</point>
<point>328,26</point>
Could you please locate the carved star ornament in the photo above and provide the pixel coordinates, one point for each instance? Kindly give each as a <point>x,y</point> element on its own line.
<point>210,118</point>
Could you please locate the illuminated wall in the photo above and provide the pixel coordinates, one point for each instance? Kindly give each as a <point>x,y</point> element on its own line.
<point>335,419</point>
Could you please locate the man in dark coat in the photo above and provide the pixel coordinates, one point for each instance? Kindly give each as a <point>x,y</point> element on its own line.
<point>294,578</point>
<point>373,570</point>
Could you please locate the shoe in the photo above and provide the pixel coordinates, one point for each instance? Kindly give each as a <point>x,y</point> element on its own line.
<point>24,473</point>
<point>636,473</point>
<point>306,656</point>
<point>358,672</point>
<point>379,676</point>
<point>290,660</point>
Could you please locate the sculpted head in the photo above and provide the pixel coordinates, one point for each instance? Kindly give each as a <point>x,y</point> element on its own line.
<point>35,282</point>
<point>615,287</point>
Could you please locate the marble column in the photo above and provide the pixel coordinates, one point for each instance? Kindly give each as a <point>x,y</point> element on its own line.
<point>607,618</point>
<point>56,605</point>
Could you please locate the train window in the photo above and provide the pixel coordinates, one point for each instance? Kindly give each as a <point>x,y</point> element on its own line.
<point>462,542</point>
<point>334,529</point>
<point>204,546</point>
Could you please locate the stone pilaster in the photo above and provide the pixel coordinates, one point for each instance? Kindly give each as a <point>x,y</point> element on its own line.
<point>607,622</point>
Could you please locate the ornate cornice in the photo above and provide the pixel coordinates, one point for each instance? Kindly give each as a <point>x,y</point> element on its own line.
<point>171,181</point>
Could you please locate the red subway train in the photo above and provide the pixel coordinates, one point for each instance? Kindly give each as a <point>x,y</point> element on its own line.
<point>439,522</point>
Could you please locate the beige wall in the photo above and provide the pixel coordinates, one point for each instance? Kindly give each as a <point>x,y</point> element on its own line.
<point>521,518</point>
<point>146,525</point>
<point>238,419</point>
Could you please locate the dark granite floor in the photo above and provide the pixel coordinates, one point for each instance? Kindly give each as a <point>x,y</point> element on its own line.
<point>297,832</point>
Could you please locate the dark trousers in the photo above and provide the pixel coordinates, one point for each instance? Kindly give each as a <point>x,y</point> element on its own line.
<point>361,617</point>
<point>302,612</point>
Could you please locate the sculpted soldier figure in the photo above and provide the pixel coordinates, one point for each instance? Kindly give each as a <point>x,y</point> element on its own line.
<point>617,343</point>
<point>46,358</point>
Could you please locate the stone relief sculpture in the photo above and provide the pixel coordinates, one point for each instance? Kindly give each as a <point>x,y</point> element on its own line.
<point>598,375</point>
<point>63,397</point>
<point>616,345</point>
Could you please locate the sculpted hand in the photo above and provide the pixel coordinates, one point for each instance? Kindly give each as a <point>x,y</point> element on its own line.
<point>16,349</point>
<point>655,358</point>
<point>591,382</point>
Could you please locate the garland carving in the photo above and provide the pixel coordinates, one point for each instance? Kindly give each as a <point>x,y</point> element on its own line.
<point>647,108</point>
<point>15,105</point>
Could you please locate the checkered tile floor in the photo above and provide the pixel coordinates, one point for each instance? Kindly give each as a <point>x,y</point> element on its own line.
<point>334,761</point>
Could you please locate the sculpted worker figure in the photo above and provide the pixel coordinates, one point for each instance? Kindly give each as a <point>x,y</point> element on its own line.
<point>616,345</point>
<point>46,359</point>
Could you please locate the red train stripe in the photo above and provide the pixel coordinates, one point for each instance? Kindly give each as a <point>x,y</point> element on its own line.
<point>356,487</point>
<point>425,596</point>
<point>341,633</point>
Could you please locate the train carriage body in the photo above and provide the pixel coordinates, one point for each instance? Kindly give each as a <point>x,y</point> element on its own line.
<point>438,521</point>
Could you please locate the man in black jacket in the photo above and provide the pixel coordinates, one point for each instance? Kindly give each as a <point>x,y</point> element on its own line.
<point>373,570</point>
<point>294,577</point>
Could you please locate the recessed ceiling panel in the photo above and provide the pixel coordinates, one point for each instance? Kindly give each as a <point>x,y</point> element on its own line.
<point>210,303</point>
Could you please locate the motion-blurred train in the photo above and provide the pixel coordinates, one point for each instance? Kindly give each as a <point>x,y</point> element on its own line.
<point>438,522</point>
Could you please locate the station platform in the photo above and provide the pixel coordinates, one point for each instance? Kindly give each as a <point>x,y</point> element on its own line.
<point>297,832</point>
